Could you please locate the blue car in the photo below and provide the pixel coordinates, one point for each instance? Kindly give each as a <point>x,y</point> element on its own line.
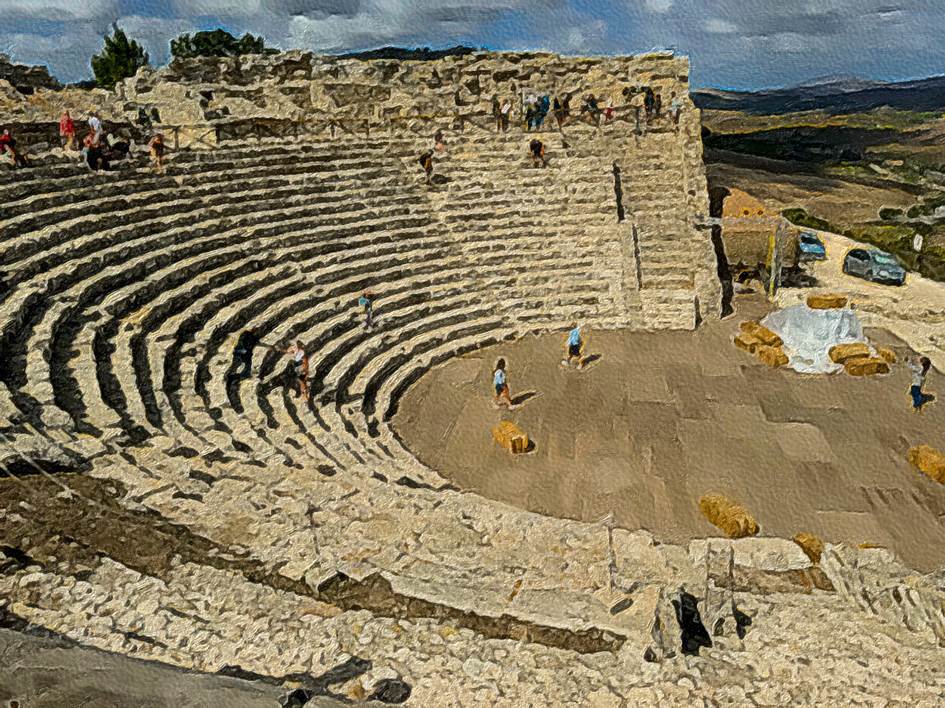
<point>875,265</point>
<point>811,247</point>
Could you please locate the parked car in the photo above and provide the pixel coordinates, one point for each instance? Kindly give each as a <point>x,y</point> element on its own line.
<point>875,265</point>
<point>811,247</point>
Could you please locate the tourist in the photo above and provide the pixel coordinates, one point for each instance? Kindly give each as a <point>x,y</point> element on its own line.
<point>243,353</point>
<point>299,368</point>
<point>505,114</point>
<point>8,146</point>
<point>531,110</point>
<point>95,124</point>
<point>544,105</point>
<point>610,110</point>
<point>675,108</point>
<point>94,156</point>
<point>591,108</point>
<point>658,106</point>
<point>366,301</point>
<point>157,149</point>
<point>497,112</point>
<point>426,162</point>
<point>558,109</point>
<point>439,143</point>
<point>649,102</point>
<point>574,346</point>
<point>537,149</point>
<point>67,132</point>
<point>501,383</point>
<point>920,369</point>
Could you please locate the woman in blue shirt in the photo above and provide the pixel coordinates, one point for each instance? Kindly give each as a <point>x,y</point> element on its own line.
<point>501,383</point>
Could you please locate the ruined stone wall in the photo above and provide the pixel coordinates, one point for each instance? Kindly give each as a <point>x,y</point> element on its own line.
<point>387,98</point>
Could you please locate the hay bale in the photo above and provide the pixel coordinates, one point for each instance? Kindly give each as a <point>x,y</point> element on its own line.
<point>761,333</point>
<point>733,519</point>
<point>812,546</point>
<point>772,356</point>
<point>887,355</point>
<point>511,437</point>
<point>868,366</point>
<point>839,353</point>
<point>929,462</point>
<point>827,301</point>
<point>747,342</point>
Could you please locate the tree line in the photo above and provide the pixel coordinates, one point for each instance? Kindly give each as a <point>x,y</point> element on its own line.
<point>121,57</point>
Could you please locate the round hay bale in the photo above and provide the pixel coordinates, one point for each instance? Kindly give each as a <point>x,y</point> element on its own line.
<point>746,341</point>
<point>826,301</point>
<point>733,519</point>
<point>812,546</point>
<point>928,461</point>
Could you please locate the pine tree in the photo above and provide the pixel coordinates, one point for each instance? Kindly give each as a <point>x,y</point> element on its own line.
<point>119,59</point>
<point>215,43</point>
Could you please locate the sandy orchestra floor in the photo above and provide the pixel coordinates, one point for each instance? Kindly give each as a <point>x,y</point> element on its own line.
<point>663,418</point>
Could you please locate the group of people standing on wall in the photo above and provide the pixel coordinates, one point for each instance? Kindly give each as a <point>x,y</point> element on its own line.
<point>644,104</point>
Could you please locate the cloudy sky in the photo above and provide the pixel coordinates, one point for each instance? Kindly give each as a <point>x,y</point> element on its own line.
<point>733,43</point>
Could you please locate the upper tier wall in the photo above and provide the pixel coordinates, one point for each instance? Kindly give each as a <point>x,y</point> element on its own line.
<point>299,85</point>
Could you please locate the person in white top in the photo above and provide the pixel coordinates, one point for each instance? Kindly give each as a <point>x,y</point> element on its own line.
<point>919,369</point>
<point>299,367</point>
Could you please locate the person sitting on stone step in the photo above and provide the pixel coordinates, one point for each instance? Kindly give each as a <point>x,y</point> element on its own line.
<point>500,382</point>
<point>242,364</point>
<point>299,368</point>
<point>157,149</point>
<point>367,302</point>
<point>439,142</point>
<point>675,108</point>
<point>426,162</point>
<point>537,149</point>
<point>8,147</point>
<point>591,108</point>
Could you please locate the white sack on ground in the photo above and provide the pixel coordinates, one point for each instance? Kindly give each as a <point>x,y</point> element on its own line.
<point>809,334</point>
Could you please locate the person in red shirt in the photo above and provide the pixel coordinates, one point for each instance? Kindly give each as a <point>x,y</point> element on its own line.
<point>67,131</point>
<point>8,145</point>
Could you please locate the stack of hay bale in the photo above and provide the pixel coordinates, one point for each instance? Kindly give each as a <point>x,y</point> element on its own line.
<point>858,359</point>
<point>929,461</point>
<point>511,437</point>
<point>757,339</point>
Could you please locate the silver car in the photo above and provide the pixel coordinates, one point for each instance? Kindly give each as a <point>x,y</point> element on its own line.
<point>875,265</point>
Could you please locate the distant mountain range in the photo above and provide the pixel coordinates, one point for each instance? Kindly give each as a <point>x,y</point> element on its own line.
<point>830,94</point>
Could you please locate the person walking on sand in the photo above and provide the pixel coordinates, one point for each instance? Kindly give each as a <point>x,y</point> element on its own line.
<point>573,346</point>
<point>299,367</point>
<point>919,369</point>
<point>500,382</point>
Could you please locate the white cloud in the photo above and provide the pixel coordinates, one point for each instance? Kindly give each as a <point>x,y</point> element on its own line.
<point>59,9</point>
<point>717,26</point>
<point>659,6</point>
<point>218,8</point>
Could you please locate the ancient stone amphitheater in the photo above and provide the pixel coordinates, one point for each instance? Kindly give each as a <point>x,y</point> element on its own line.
<point>155,509</point>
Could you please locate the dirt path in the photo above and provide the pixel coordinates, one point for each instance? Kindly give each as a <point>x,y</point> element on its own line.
<point>663,418</point>
<point>914,312</point>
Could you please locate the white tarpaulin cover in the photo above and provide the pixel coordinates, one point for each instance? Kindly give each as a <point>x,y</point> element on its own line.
<point>809,334</point>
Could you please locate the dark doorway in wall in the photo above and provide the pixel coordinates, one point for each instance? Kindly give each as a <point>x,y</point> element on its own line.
<point>717,197</point>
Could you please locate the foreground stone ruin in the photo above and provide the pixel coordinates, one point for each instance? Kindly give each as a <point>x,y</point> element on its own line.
<point>158,511</point>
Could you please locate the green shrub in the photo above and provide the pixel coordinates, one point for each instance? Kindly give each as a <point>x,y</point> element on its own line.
<point>890,214</point>
<point>800,217</point>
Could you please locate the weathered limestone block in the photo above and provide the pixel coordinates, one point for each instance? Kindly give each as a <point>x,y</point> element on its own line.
<point>874,580</point>
<point>764,565</point>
